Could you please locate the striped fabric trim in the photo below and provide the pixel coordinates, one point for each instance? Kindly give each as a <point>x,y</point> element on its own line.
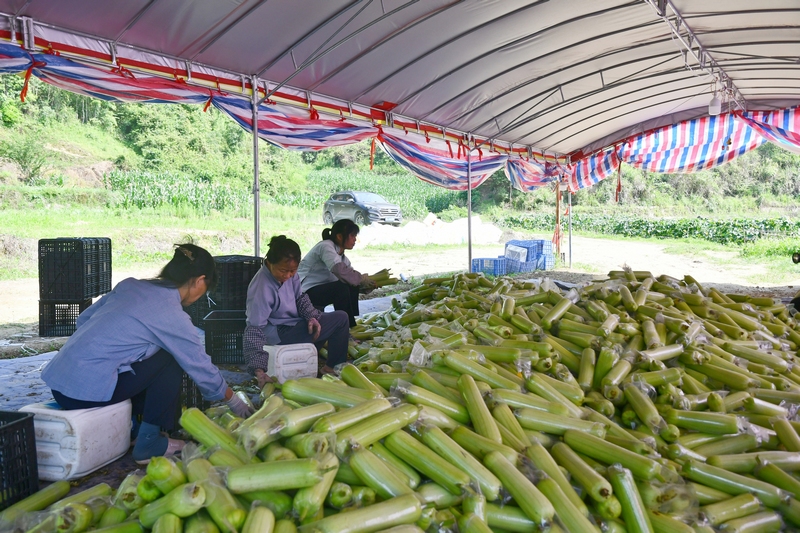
<point>781,127</point>
<point>528,175</point>
<point>119,85</point>
<point>689,146</point>
<point>593,169</point>
<point>14,60</point>
<point>439,163</point>
<point>293,128</point>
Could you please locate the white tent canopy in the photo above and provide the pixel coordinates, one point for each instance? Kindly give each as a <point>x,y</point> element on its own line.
<point>562,76</point>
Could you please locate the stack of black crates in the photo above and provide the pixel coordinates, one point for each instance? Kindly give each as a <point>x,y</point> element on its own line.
<point>19,474</point>
<point>72,271</point>
<point>222,314</point>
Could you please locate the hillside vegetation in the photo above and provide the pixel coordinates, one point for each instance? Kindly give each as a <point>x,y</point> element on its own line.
<point>73,165</point>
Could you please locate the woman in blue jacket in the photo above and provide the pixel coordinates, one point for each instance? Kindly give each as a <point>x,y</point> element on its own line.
<point>135,343</point>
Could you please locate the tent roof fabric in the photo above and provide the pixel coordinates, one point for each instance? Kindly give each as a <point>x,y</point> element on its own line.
<point>565,76</point>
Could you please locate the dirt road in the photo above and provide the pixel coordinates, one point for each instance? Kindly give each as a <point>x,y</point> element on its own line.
<point>591,258</point>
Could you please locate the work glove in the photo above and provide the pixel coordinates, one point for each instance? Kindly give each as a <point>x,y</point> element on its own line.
<point>238,407</point>
<point>367,284</point>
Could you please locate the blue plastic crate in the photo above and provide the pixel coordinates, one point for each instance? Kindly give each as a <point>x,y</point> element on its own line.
<point>490,266</point>
<point>540,262</point>
<point>524,266</point>
<point>535,247</point>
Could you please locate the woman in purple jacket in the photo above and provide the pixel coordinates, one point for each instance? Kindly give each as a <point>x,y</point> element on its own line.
<point>279,312</point>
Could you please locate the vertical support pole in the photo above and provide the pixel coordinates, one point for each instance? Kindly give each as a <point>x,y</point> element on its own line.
<point>570,229</point>
<point>469,207</point>
<point>557,232</point>
<point>256,186</point>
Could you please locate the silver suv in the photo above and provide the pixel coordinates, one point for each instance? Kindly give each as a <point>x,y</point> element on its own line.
<point>363,208</point>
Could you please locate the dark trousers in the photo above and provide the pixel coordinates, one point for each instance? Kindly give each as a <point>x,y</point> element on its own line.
<point>344,297</point>
<point>334,330</point>
<point>153,387</point>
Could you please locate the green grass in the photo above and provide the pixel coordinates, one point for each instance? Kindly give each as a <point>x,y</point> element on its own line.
<point>780,271</point>
<point>585,267</point>
<point>143,239</point>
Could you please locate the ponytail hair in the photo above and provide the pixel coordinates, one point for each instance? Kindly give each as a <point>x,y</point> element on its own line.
<point>281,247</point>
<point>189,261</point>
<point>344,227</point>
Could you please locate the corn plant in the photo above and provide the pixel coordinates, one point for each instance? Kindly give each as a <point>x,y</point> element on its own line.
<point>149,190</point>
<point>723,231</point>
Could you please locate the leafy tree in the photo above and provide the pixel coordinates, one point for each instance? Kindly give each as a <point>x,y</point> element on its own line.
<point>24,149</point>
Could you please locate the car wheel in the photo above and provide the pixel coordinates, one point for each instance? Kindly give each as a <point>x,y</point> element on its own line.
<point>327,217</point>
<point>360,219</point>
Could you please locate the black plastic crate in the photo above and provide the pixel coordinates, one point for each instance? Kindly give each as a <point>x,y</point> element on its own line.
<point>73,269</point>
<point>58,319</point>
<point>224,330</point>
<point>103,265</point>
<point>234,273</point>
<point>19,471</point>
<point>199,310</point>
<point>190,396</point>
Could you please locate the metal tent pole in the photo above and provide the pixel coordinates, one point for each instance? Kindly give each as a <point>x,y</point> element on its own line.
<point>469,208</point>
<point>256,186</point>
<point>570,229</point>
<point>557,233</point>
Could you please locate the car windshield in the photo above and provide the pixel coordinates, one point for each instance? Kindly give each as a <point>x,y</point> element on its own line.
<point>370,197</point>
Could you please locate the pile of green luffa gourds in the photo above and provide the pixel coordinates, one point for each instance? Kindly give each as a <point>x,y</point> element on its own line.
<point>631,404</point>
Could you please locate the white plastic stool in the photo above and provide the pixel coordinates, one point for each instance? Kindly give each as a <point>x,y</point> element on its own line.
<point>292,361</point>
<point>71,444</point>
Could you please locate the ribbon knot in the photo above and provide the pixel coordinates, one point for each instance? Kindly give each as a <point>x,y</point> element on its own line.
<point>372,148</point>
<point>208,102</point>
<point>34,64</point>
<point>122,71</point>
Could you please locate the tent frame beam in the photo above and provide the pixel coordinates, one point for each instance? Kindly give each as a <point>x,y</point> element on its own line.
<point>302,39</point>
<point>688,42</point>
<point>440,46</point>
<point>223,32</point>
<point>505,46</point>
<point>317,54</point>
<point>383,41</point>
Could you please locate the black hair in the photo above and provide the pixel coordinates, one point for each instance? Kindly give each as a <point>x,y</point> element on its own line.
<point>189,261</point>
<point>344,227</point>
<point>281,247</point>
